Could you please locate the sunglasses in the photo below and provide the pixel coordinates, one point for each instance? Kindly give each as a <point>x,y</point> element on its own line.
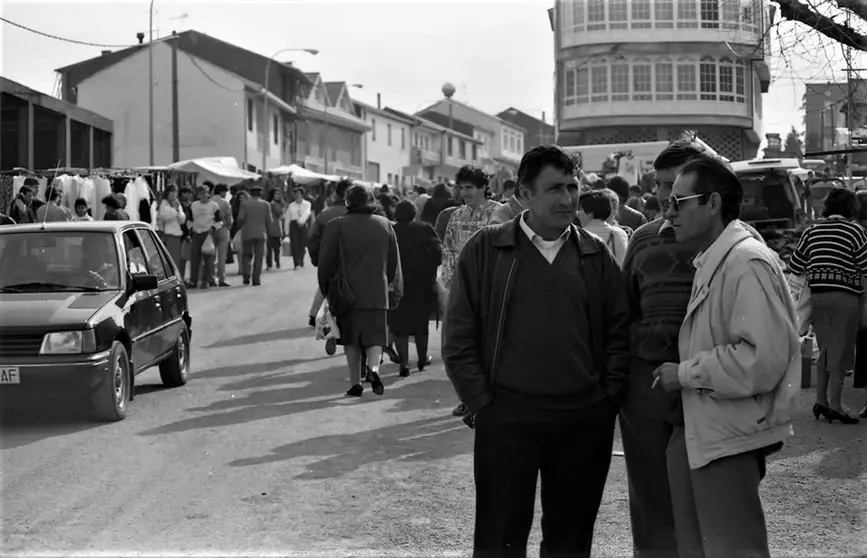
<point>675,202</point>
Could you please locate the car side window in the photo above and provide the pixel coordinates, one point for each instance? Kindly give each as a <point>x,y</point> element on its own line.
<point>153,255</point>
<point>135,257</point>
<point>164,255</point>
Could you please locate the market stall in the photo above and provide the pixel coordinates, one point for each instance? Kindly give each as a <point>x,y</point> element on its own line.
<point>216,169</point>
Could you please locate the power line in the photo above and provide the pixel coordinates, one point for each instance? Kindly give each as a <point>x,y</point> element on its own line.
<point>58,38</point>
<point>208,76</point>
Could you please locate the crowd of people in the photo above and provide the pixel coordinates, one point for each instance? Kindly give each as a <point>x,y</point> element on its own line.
<point>568,302</point>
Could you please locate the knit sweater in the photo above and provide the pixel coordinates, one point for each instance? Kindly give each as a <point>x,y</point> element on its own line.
<point>658,273</point>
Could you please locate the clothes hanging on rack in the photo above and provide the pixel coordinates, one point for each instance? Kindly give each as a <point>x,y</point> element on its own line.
<point>5,193</point>
<point>143,193</point>
<point>102,188</point>
<point>132,199</point>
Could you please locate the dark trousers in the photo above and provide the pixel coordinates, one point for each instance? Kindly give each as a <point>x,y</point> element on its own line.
<point>717,509</point>
<point>251,259</point>
<point>198,276</point>
<point>647,420</point>
<point>573,455</point>
<point>272,251</point>
<point>298,240</point>
<point>861,359</point>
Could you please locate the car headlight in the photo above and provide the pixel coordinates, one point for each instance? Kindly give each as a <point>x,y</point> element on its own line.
<point>68,343</point>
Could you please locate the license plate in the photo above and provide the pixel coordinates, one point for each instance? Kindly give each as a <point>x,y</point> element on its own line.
<point>9,376</point>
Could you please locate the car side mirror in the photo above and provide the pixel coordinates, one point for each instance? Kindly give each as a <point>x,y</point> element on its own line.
<point>143,282</point>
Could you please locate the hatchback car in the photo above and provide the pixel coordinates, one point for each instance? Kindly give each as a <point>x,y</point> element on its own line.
<point>84,308</point>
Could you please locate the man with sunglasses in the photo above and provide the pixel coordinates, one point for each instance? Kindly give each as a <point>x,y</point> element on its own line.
<point>658,273</point>
<point>737,372</point>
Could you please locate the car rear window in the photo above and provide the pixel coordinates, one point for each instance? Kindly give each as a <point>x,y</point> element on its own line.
<point>66,260</point>
<point>767,196</point>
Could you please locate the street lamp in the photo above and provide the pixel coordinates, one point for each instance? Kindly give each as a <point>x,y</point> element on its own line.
<point>325,136</point>
<point>448,91</point>
<point>267,143</point>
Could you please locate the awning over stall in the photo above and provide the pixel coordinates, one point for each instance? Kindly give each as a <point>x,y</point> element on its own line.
<point>302,175</point>
<point>215,169</point>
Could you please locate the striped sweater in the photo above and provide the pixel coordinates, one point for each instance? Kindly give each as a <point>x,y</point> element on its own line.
<point>659,273</point>
<point>833,254</point>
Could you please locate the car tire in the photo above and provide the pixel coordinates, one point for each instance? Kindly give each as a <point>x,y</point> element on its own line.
<point>175,369</point>
<point>110,399</point>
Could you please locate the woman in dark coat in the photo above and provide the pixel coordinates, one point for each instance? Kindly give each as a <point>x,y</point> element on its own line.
<point>420,255</point>
<point>362,247</point>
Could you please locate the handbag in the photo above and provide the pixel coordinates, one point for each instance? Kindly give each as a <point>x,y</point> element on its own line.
<point>208,246</point>
<point>340,297</point>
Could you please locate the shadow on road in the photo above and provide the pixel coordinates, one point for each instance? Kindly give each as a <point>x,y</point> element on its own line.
<point>252,368</point>
<point>265,337</point>
<point>29,425</point>
<point>310,391</point>
<point>343,454</point>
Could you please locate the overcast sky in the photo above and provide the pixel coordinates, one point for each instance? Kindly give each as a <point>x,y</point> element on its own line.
<point>497,53</point>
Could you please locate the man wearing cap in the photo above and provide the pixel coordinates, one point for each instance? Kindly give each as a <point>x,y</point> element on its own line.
<point>253,219</point>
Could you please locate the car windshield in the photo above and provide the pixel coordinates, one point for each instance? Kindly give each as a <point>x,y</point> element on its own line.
<point>42,261</point>
<point>767,196</point>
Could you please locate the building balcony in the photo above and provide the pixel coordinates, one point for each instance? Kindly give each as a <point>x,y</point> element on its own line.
<point>425,157</point>
<point>723,112</point>
<point>586,22</point>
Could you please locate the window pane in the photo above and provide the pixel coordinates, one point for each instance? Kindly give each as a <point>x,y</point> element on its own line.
<point>617,14</point>
<point>664,81</point>
<point>640,14</point>
<point>569,77</point>
<point>730,12</point>
<point>595,15</point>
<point>642,83</point>
<point>153,255</point>
<point>707,78</point>
<point>739,83</point>
<point>664,13</point>
<point>582,84</point>
<point>686,13</point>
<point>710,14</point>
<point>577,13</point>
<point>599,83</point>
<point>726,83</point>
<point>619,82</point>
<point>686,85</point>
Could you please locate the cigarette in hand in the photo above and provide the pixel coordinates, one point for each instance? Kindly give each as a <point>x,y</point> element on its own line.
<point>655,381</point>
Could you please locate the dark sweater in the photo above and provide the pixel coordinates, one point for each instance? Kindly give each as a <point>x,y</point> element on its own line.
<point>658,273</point>
<point>546,357</point>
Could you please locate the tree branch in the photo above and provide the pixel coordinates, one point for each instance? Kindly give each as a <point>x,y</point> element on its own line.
<point>794,10</point>
<point>857,7</point>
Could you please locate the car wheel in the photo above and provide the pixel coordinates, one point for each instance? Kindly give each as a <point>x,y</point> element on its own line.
<point>110,399</point>
<point>174,370</point>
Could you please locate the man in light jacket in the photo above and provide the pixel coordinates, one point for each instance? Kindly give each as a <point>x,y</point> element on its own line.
<point>738,374</point>
<point>253,219</point>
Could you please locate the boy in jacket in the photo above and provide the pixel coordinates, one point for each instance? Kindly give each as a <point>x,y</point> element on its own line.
<point>738,374</point>
<point>535,341</point>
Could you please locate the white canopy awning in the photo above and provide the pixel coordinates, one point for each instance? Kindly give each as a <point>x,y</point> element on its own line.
<point>302,175</point>
<point>216,169</point>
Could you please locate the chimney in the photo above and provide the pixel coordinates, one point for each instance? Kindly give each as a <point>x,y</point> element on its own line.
<point>106,52</point>
<point>379,101</point>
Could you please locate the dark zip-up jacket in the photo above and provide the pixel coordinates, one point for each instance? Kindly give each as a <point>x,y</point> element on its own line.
<point>479,298</point>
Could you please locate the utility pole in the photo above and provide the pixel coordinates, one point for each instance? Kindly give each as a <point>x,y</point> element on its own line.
<point>849,101</point>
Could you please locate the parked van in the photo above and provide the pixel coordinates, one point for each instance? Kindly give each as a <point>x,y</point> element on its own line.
<point>771,200</point>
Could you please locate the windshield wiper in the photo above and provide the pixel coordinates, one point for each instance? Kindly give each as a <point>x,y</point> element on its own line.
<point>20,287</point>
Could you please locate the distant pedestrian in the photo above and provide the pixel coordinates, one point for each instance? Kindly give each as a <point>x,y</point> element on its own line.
<point>222,236</point>
<point>626,216</point>
<point>298,214</point>
<point>276,229</point>
<point>114,208</point>
<point>738,371</point>
<point>21,209</point>
<point>594,208</point>
<point>254,219</point>
<point>207,220</point>
<point>52,211</point>
<point>170,222</point>
<point>82,211</point>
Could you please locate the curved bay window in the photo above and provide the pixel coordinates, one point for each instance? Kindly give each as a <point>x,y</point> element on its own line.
<point>655,78</point>
<point>580,16</point>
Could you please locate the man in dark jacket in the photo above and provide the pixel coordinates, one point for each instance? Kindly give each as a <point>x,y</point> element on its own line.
<point>626,216</point>
<point>535,341</point>
<point>314,242</point>
<point>21,209</point>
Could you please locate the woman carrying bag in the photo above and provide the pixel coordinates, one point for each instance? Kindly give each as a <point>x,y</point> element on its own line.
<point>170,223</point>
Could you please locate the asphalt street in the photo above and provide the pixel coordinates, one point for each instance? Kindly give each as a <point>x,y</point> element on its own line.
<point>259,452</point>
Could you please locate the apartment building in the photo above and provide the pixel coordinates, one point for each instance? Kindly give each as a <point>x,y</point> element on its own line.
<point>207,95</point>
<point>632,71</point>
<point>389,147</point>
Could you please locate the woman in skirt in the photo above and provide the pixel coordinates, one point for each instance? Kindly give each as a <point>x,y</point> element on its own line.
<point>362,247</point>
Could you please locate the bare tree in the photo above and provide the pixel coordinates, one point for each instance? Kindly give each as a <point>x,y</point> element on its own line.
<point>824,16</point>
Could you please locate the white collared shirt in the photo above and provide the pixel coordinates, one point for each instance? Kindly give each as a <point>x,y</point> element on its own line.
<point>548,248</point>
<point>299,212</point>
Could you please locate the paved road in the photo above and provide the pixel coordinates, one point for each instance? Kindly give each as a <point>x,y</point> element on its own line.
<point>261,452</point>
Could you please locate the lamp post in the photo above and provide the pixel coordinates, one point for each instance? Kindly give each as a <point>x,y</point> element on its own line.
<point>267,143</point>
<point>325,135</point>
<point>448,91</point>
<point>151,86</point>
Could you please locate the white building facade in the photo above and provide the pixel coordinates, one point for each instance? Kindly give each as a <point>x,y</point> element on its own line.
<point>388,144</point>
<point>645,70</point>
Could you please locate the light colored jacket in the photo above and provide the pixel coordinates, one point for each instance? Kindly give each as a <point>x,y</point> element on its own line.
<point>510,209</point>
<point>169,219</point>
<point>739,349</point>
<point>254,218</point>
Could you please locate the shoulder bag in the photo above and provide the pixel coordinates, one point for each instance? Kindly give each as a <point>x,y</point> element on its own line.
<point>340,297</point>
